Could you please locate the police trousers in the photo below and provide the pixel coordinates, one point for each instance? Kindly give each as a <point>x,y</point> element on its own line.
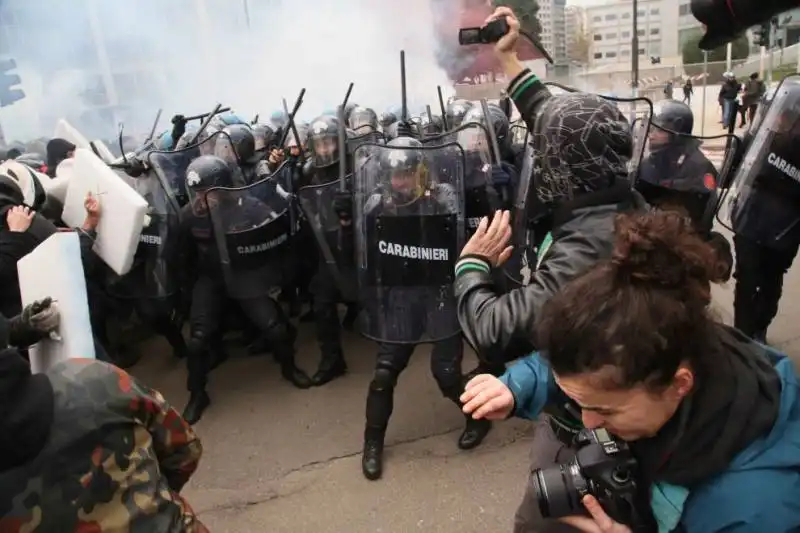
<point>445,362</point>
<point>759,284</point>
<point>327,297</point>
<point>209,302</point>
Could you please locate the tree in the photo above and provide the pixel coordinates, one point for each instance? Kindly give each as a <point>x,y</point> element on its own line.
<point>692,54</point>
<point>580,49</point>
<point>527,11</point>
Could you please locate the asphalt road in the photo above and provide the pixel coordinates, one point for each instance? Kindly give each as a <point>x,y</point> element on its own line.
<point>281,460</point>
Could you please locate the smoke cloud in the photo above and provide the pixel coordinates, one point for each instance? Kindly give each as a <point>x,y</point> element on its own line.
<point>99,62</point>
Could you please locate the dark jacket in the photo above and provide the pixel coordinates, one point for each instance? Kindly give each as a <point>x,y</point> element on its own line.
<point>501,326</point>
<point>729,90</point>
<point>89,448</point>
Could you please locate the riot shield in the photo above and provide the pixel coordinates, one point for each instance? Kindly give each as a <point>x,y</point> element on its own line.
<point>333,240</point>
<point>760,204</point>
<point>522,262</point>
<point>409,218</point>
<point>154,271</point>
<point>519,134</point>
<point>372,137</point>
<point>170,167</point>
<point>480,197</point>
<point>252,230</point>
<point>675,173</point>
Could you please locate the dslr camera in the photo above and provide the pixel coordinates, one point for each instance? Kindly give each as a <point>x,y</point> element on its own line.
<point>603,467</point>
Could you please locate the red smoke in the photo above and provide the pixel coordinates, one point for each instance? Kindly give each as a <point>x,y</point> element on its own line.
<point>470,62</point>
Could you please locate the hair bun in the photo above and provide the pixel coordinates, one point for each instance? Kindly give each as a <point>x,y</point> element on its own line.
<point>662,249</point>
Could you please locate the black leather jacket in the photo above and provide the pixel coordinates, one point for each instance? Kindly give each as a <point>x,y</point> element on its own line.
<point>501,326</point>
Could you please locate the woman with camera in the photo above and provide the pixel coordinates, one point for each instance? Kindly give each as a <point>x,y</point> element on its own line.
<point>688,420</point>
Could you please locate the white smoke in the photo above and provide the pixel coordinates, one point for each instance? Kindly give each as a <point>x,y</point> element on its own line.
<point>187,55</point>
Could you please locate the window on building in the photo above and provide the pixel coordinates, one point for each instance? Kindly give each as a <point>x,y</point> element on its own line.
<point>626,15</point>
<point>641,51</point>
<point>598,55</point>
<point>598,37</point>
<point>597,19</point>
<point>611,17</point>
<point>640,33</point>
<point>655,31</point>
<point>654,11</point>
<point>684,10</point>
<point>611,35</point>
<point>640,13</point>
<point>611,54</point>
<point>626,35</point>
<point>625,53</point>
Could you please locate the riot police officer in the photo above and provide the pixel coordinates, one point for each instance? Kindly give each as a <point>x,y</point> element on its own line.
<point>334,242</point>
<point>201,261</point>
<point>675,173</point>
<point>399,316</point>
<point>762,210</point>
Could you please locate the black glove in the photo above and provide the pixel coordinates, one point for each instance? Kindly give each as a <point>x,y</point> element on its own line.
<point>178,127</point>
<point>500,176</point>
<point>343,205</point>
<point>35,322</point>
<point>405,129</point>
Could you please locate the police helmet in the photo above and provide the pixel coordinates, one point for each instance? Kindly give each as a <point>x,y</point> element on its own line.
<point>362,120</point>
<point>674,116</point>
<point>243,141</point>
<point>499,122</point>
<point>432,125</point>
<point>348,108</point>
<point>208,171</point>
<point>387,119</point>
<point>323,141</point>
<point>265,137</point>
<point>455,112</point>
<point>405,165</point>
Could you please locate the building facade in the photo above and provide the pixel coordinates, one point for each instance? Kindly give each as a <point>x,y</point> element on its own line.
<point>552,17</point>
<point>610,27</point>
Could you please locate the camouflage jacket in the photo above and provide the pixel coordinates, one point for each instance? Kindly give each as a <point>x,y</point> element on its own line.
<point>115,460</point>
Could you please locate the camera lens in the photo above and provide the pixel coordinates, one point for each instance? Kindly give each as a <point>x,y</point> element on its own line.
<point>556,491</point>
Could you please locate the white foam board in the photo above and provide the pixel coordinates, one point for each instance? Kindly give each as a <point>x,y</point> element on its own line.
<point>123,209</point>
<point>67,286</point>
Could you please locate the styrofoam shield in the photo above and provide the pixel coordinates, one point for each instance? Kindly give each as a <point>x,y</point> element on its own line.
<point>64,130</point>
<point>66,285</point>
<point>57,187</point>
<point>23,175</point>
<point>103,151</point>
<point>123,210</point>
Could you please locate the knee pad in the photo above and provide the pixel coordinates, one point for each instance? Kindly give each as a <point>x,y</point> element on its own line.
<point>198,343</point>
<point>383,379</point>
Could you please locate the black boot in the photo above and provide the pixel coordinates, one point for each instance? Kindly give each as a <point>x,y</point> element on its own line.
<point>331,367</point>
<point>474,433</point>
<point>372,456</point>
<point>350,317</point>
<point>198,403</point>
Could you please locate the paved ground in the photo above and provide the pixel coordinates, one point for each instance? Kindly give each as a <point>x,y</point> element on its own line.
<point>280,460</point>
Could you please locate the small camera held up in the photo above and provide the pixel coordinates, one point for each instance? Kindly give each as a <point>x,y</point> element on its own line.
<point>491,33</point>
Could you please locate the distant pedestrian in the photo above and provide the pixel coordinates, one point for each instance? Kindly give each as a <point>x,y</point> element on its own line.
<point>688,91</point>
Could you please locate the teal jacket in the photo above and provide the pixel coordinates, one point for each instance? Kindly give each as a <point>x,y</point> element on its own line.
<point>760,491</point>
